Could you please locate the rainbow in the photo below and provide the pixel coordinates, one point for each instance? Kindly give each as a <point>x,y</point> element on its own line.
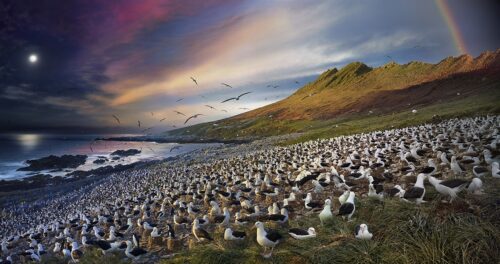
<point>452,25</point>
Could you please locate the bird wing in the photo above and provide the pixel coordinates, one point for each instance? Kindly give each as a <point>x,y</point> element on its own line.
<point>273,236</point>
<point>117,120</point>
<point>194,80</point>
<point>189,118</point>
<point>243,94</point>
<point>180,113</point>
<point>203,233</point>
<point>239,233</point>
<point>225,84</point>
<point>162,119</point>
<point>346,208</point>
<point>232,98</point>
<point>453,183</point>
<point>298,231</point>
<point>414,192</point>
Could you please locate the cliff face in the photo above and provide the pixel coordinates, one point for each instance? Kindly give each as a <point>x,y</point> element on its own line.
<point>357,87</point>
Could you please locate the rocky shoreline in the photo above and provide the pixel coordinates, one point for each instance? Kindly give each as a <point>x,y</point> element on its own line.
<point>12,191</point>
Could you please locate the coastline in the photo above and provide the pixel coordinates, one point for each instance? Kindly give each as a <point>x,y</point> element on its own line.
<point>41,186</point>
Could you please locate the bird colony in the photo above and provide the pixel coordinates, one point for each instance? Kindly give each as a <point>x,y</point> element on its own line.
<point>254,195</point>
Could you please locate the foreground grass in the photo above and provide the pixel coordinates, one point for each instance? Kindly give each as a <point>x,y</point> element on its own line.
<point>464,232</point>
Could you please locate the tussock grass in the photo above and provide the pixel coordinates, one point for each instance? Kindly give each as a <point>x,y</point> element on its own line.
<point>466,231</point>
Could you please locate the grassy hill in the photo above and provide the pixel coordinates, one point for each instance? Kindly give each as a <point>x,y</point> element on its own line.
<point>340,101</point>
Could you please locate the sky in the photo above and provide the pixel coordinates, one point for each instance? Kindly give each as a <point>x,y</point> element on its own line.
<point>135,59</point>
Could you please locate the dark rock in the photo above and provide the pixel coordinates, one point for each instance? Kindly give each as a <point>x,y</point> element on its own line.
<point>100,161</point>
<point>55,163</point>
<point>126,153</point>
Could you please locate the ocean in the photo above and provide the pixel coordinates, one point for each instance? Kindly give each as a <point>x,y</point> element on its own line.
<point>15,149</point>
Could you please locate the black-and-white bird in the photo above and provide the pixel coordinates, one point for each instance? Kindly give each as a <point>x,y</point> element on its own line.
<point>300,234</point>
<point>449,188</point>
<point>267,239</point>
<point>417,192</point>
<point>361,232</point>
<point>230,234</point>
<point>76,253</point>
<point>348,208</point>
<point>200,233</point>
<point>480,171</point>
<point>134,252</point>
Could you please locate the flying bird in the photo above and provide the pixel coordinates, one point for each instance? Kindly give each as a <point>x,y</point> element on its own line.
<point>179,113</point>
<point>276,86</point>
<point>297,82</point>
<point>225,84</point>
<point>178,100</point>
<point>236,98</point>
<point>138,123</point>
<point>161,120</point>
<point>194,80</point>
<point>211,107</point>
<point>193,116</point>
<point>224,110</point>
<point>117,119</point>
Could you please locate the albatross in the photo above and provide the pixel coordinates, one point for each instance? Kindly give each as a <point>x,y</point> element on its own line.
<point>237,98</point>
<point>300,234</point>
<point>361,232</point>
<point>267,239</point>
<point>198,232</point>
<point>417,192</point>
<point>448,187</point>
<point>347,209</point>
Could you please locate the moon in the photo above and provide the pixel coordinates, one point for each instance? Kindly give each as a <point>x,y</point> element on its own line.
<point>33,58</point>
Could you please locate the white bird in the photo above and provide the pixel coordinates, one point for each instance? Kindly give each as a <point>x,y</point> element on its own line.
<point>267,239</point>
<point>455,166</point>
<point>155,232</point>
<point>343,197</point>
<point>448,187</point>
<point>495,171</point>
<point>326,214</point>
<point>361,232</point>
<point>300,234</point>
<point>475,186</point>
<point>348,208</point>
<point>230,234</point>
<point>479,171</point>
